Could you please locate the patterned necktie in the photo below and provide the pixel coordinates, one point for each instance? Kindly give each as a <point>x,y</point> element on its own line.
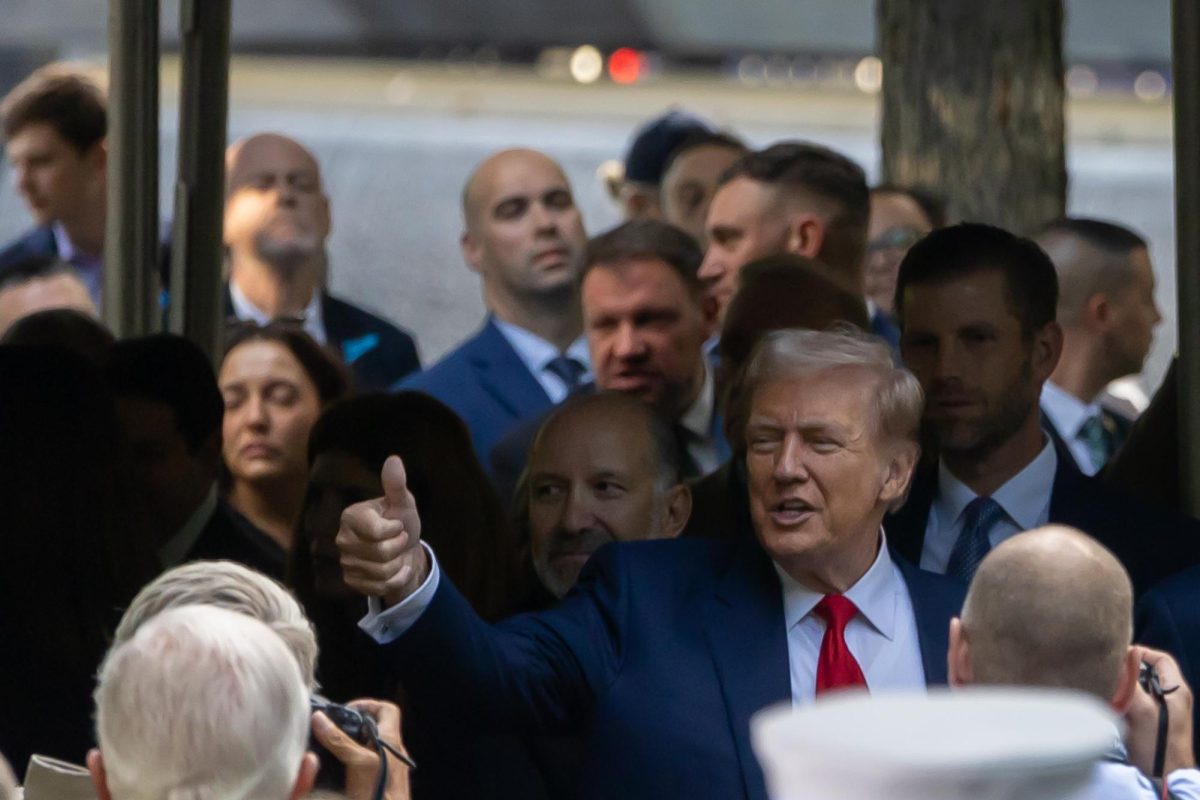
<point>568,369</point>
<point>1099,444</point>
<point>980,516</point>
<point>836,667</point>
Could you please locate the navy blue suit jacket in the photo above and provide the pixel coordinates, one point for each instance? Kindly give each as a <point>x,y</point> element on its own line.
<point>377,352</point>
<point>38,242</point>
<point>487,385</point>
<point>658,657</point>
<point>1151,542</point>
<point>1168,618</point>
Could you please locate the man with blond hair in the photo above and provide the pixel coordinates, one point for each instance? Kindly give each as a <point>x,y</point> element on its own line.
<point>664,649</point>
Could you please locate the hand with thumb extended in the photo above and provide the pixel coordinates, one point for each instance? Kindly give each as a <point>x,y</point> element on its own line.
<point>379,540</point>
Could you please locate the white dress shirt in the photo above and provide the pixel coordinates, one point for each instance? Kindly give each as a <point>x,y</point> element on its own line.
<point>1113,779</point>
<point>1068,414</point>
<point>314,321</point>
<point>536,354</point>
<point>1025,499</point>
<point>882,637</point>
<point>698,420</point>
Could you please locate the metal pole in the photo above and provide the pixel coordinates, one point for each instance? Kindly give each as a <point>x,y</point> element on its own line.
<point>131,236</point>
<point>196,242</point>
<point>1185,58</point>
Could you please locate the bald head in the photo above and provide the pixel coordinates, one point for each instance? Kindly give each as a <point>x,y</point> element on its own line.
<point>276,211</point>
<point>499,174</point>
<point>1050,607</point>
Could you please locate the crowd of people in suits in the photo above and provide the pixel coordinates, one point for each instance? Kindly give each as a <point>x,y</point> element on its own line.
<point>755,444</point>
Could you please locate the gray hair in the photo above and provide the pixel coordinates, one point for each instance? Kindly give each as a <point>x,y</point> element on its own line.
<point>897,400</point>
<point>201,703</point>
<point>232,586</point>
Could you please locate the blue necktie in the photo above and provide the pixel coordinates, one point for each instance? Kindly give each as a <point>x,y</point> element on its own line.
<point>568,369</point>
<point>980,516</point>
<point>1099,443</point>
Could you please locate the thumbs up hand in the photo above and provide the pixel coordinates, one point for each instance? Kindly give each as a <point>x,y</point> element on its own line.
<point>380,541</point>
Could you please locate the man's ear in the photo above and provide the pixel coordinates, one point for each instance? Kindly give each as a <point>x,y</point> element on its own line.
<point>1047,348</point>
<point>304,778</point>
<point>471,250</point>
<point>958,656</point>
<point>95,765</point>
<point>899,474</point>
<point>679,510</point>
<point>805,235</point>
<point>1127,686</point>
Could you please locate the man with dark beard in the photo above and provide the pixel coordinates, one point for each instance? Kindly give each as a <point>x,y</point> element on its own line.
<point>276,222</point>
<point>976,307</point>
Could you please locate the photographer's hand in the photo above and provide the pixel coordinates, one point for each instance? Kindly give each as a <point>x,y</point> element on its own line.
<point>362,763</point>
<point>1142,718</point>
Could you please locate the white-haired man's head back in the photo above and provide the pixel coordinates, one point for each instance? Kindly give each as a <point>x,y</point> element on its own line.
<point>202,702</point>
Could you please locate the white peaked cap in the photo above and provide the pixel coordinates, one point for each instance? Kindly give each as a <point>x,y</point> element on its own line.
<point>979,743</point>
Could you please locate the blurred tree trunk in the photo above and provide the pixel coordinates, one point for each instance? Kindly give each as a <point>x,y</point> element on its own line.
<point>973,106</point>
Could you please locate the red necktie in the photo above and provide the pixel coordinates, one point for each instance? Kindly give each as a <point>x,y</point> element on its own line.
<point>836,667</point>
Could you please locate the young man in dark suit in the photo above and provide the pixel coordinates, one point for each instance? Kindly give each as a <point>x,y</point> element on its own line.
<point>276,222</point>
<point>524,236</point>
<point>976,305</point>
<point>665,649</point>
<point>55,125</point>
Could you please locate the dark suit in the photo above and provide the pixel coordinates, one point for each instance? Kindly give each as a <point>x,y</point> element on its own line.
<point>660,656</point>
<point>720,504</point>
<point>487,385</point>
<point>1152,543</point>
<point>36,243</point>
<point>378,353</point>
<point>1168,618</point>
<point>1148,463</point>
<point>1116,428</point>
<point>228,535</point>
<point>510,455</point>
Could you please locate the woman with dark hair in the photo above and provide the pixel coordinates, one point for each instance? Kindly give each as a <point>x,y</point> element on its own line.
<point>274,380</point>
<point>73,553</point>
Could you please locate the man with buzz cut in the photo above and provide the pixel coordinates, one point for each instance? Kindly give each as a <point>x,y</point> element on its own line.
<point>523,235</point>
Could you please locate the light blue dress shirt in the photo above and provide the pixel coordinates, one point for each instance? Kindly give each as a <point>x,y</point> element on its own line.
<point>536,354</point>
<point>89,268</point>
<point>1025,499</point>
<point>1068,413</point>
<point>882,637</point>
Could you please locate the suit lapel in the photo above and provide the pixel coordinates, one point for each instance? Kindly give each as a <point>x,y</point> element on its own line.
<point>906,527</point>
<point>746,634</point>
<point>935,600</point>
<point>504,376</point>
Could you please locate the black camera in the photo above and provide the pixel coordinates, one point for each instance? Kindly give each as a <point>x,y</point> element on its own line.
<point>358,726</point>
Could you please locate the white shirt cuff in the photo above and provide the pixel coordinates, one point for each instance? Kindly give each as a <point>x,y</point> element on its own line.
<point>386,626</point>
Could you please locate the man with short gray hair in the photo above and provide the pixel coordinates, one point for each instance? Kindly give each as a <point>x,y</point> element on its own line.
<point>202,702</point>
<point>664,649</point>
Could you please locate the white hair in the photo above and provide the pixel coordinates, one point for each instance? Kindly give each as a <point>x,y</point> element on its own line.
<point>201,703</point>
<point>229,585</point>
<point>897,401</point>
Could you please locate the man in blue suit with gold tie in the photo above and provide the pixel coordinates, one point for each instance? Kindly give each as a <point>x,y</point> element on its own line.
<point>524,236</point>
<point>665,649</point>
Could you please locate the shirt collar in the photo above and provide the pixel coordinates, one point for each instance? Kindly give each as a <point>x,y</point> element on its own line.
<point>1023,497</point>
<point>534,351</point>
<point>176,548</point>
<point>697,420</point>
<point>874,594</point>
<point>1066,411</point>
<point>314,319</point>
<point>68,252</point>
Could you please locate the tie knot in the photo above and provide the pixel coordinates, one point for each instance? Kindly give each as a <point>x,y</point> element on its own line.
<point>569,369</point>
<point>982,513</point>
<point>837,610</point>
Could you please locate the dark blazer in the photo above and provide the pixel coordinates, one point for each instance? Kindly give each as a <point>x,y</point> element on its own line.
<point>1147,465</point>
<point>38,242</point>
<point>377,352</point>
<point>1151,542</point>
<point>487,385</point>
<point>660,656</point>
<point>228,535</point>
<point>510,455</point>
<point>720,504</point>
<point>1168,618</point>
